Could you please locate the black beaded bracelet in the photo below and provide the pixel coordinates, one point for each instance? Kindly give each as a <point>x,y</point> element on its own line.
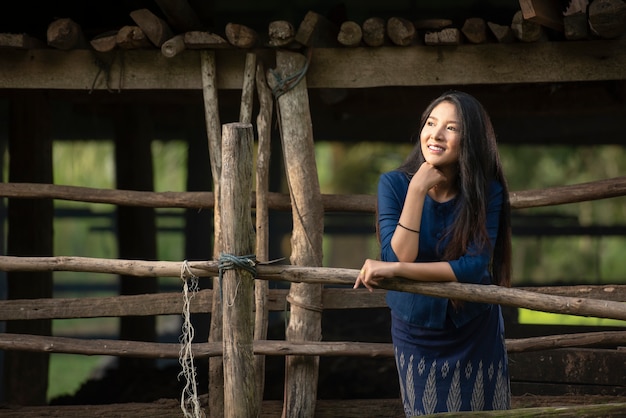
<point>408,229</point>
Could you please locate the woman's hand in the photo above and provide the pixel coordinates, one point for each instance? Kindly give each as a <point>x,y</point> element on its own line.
<point>373,272</point>
<point>426,177</point>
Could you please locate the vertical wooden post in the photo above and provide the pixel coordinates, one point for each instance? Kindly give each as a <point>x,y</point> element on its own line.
<point>240,395</point>
<point>247,89</point>
<point>261,289</point>
<point>214,137</point>
<point>301,372</point>
<point>136,226</point>
<point>30,233</point>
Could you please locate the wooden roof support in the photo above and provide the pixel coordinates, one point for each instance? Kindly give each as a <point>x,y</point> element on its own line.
<point>488,63</point>
<point>547,13</point>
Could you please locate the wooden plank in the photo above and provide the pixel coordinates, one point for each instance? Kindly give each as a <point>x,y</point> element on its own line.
<point>332,67</point>
<point>547,13</point>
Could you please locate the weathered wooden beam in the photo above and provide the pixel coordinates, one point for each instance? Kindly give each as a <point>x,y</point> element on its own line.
<point>240,391</point>
<point>127,348</point>
<point>171,303</point>
<point>541,62</point>
<point>331,276</point>
<point>308,225</point>
<point>261,287</point>
<point>214,141</point>
<point>573,193</point>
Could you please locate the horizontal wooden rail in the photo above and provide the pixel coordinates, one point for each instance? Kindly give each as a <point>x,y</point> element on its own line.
<point>492,63</point>
<point>595,190</point>
<point>38,343</point>
<point>329,276</point>
<point>171,303</point>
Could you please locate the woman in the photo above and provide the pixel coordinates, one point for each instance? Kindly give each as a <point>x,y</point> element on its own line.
<point>444,215</point>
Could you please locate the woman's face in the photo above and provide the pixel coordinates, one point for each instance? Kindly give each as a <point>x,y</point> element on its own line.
<point>441,136</point>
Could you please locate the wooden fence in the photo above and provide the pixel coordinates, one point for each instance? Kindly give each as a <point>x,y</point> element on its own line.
<point>604,301</point>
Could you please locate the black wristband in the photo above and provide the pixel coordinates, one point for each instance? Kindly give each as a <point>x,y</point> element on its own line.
<point>408,229</point>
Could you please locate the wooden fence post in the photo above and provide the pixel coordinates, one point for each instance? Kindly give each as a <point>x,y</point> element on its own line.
<point>240,393</point>
<point>214,138</point>
<point>261,289</point>
<point>301,373</point>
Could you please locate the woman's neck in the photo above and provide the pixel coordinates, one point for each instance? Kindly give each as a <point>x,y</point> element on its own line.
<point>442,193</point>
<point>446,190</point>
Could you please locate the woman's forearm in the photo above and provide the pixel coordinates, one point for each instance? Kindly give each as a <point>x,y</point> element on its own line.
<point>439,271</point>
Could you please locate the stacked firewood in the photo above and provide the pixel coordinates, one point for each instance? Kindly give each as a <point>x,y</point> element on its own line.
<point>536,20</point>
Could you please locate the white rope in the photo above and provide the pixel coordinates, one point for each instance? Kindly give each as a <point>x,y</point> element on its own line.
<point>189,403</point>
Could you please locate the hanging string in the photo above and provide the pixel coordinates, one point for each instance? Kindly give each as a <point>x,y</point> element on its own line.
<point>189,403</point>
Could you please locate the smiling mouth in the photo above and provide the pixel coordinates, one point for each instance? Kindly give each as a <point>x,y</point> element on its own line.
<point>435,148</point>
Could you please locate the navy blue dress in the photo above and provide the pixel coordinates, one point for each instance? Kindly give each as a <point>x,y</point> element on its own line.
<point>448,359</point>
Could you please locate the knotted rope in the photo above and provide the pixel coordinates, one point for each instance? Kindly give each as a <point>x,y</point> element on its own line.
<point>283,85</point>
<point>230,262</point>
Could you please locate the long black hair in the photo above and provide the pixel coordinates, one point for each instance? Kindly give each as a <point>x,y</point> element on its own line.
<point>479,163</point>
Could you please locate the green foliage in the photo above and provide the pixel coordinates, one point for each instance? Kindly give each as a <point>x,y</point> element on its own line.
<point>567,259</point>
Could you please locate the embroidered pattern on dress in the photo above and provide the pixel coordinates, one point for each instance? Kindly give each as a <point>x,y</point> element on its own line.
<point>429,399</point>
<point>454,396</point>
<point>411,369</point>
<point>502,394</point>
<point>478,393</point>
